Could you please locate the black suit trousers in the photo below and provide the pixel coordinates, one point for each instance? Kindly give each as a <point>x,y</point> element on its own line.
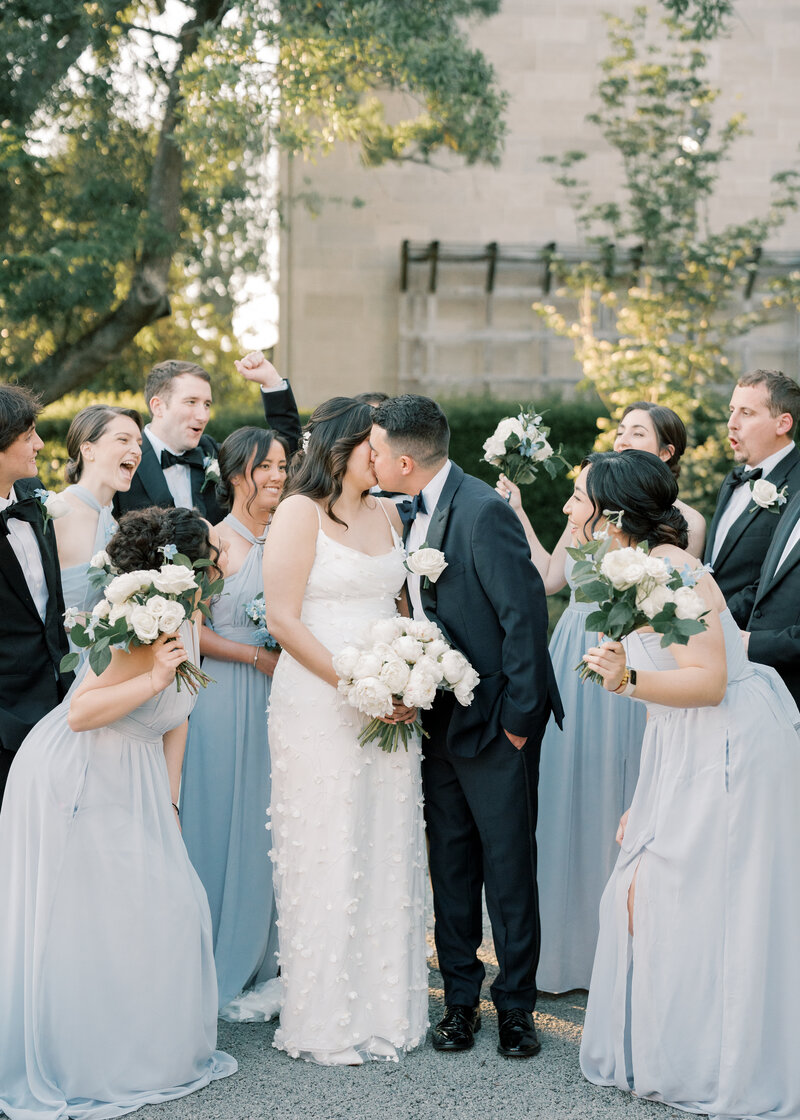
<point>480,814</point>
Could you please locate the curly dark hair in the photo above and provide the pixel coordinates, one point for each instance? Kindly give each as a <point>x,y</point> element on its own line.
<point>332,432</point>
<point>669,428</point>
<point>87,427</point>
<point>142,532</point>
<point>641,487</point>
<point>240,452</point>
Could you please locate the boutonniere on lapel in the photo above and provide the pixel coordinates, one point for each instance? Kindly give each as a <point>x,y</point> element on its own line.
<point>211,467</point>
<point>53,506</point>
<point>767,496</point>
<point>426,562</point>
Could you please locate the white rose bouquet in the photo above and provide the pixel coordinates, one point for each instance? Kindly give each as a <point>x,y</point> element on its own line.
<point>405,660</point>
<point>519,446</point>
<point>139,606</point>
<point>256,611</point>
<point>634,589</point>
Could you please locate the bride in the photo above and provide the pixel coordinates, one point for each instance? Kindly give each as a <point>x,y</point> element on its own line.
<point>347,827</point>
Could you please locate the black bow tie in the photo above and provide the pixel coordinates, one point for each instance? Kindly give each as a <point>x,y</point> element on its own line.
<point>25,510</point>
<point>417,506</point>
<point>192,458</point>
<point>741,475</point>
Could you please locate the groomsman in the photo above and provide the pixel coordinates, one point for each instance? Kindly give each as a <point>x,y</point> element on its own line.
<point>772,630</point>
<point>481,763</point>
<point>177,456</point>
<point>764,410</point>
<point>32,638</point>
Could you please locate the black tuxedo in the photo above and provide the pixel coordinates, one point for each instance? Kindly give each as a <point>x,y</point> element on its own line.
<point>772,606</point>
<point>738,564</point>
<point>480,791</point>
<point>149,487</point>
<point>30,650</point>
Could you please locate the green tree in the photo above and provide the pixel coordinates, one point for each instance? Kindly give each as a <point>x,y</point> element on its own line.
<point>134,148</point>
<point>660,295</point>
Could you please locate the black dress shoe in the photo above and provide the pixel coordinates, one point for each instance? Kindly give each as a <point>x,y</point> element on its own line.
<point>457,1030</point>
<point>517,1034</point>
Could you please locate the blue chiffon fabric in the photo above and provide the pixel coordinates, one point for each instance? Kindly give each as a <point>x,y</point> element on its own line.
<point>587,777</point>
<point>225,793</point>
<point>77,591</point>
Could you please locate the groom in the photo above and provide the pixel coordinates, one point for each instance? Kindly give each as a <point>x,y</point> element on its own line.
<point>481,764</point>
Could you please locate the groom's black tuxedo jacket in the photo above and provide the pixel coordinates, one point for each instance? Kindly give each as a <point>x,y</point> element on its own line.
<point>738,564</point>
<point>772,606</point>
<point>149,487</point>
<point>490,603</point>
<point>30,650</point>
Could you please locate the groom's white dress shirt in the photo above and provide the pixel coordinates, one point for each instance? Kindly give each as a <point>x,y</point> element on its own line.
<point>23,541</point>
<point>418,533</point>
<point>178,477</point>
<point>742,497</point>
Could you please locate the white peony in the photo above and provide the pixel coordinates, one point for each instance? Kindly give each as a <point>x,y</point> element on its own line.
<point>410,649</point>
<point>100,559</point>
<point>372,697</point>
<point>426,562</point>
<point>436,648</point>
<point>454,666</point>
<point>688,604</point>
<point>143,623</point>
<point>422,628</point>
<point>387,629</point>
<point>345,661</point>
<point>395,674</point>
<point>463,691</point>
<point>420,691</point>
<point>174,578</point>
<point>765,494</point>
<point>368,665</point>
<point>171,617</point>
<point>431,667</point>
<point>623,567</point>
<point>654,601</point>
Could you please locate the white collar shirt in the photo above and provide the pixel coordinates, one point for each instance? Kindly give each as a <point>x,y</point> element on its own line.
<point>178,477</point>
<point>23,541</point>
<point>742,498</point>
<point>418,532</point>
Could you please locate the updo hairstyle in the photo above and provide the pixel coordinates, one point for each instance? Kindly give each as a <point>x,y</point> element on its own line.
<point>87,427</point>
<point>242,448</point>
<point>643,488</point>
<point>142,532</point>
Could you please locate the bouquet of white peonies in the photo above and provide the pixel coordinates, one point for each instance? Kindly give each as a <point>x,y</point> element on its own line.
<point>137,607</point>
<point>405,660</point>
<point>256,611</point>
<point>634,589</point>
<point>519,446</point>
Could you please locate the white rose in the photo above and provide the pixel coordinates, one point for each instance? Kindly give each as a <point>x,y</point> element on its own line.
<point>345,661</point>
<point>623,567</point>
<point>368,665</point>
<point>658,568</point>
<point>542,453</point>
<point>688,603</point>
<point>427,562</point>
<point>494,449</point>
<point>101,609</point>
<point>422,628</point>
<point>408,648</point>
<point>510,426</point>
<point>122,587</point>
<point>454,666</point>
<point>174,578</point>
<point>120,610</point>
<point>143,623</point>
<point>655,601</point>
<point>170,618</point>
<point>420,691</point>
<point>395,674</point>
<point>100,559</point>
<point>386,630</point>
<point>56,506</point>
<point>765,494</point>
<point>158,604</point>
<point>372,697</point>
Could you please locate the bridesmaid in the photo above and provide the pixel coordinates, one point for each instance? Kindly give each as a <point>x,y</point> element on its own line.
<point>104,444</point>
<point>588,771</point>
<point>226,779</point>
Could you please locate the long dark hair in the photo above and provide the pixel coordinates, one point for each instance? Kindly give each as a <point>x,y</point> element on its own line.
<point>333,431</point>
<point>239,450</point>
<point>87,427</point>
<point>642,488</point>
<point>669,428</point>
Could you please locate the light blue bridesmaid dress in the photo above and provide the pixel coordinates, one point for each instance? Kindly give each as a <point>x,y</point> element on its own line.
<point>698,1008</point>
<point>225,792</point>
<point>587,777</point>
<point>78,592</point>
<point>109,997</point>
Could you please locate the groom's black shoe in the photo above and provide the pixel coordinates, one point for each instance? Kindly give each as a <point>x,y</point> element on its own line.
<point>517,1034</point>
<point>457,1030</point>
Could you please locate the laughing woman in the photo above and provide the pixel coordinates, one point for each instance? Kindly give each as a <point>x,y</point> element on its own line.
<point>226,780</point>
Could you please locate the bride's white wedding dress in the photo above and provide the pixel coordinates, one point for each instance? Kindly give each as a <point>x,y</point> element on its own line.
<point>348,840</point>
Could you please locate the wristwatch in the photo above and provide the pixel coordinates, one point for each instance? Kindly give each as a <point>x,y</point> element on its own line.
<point>627,685</point>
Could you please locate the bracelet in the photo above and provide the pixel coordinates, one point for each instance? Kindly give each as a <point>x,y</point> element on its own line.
<point>150,678</point>
<point>255,657</point>
<point>177,810</point>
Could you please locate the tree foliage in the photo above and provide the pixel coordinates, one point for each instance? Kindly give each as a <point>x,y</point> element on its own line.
<point>135,146</point>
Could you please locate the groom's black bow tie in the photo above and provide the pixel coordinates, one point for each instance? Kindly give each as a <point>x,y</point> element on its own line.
<point>25,510</point>
<point>192,458</point>
<point>417,506</point>
<point>740,475</point>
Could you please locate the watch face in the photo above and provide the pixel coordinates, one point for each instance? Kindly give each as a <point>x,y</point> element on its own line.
<point>633,677</point>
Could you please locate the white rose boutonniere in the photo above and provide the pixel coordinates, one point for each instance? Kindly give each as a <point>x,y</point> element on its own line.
<point>426,562</point>
<point>53,506</point>
<point>767,496</point>
<point>211,467</point>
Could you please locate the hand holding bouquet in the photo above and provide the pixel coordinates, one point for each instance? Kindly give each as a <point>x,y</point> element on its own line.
<point>634,589</point>
<point>519,446</point>
<point>406,661</point>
